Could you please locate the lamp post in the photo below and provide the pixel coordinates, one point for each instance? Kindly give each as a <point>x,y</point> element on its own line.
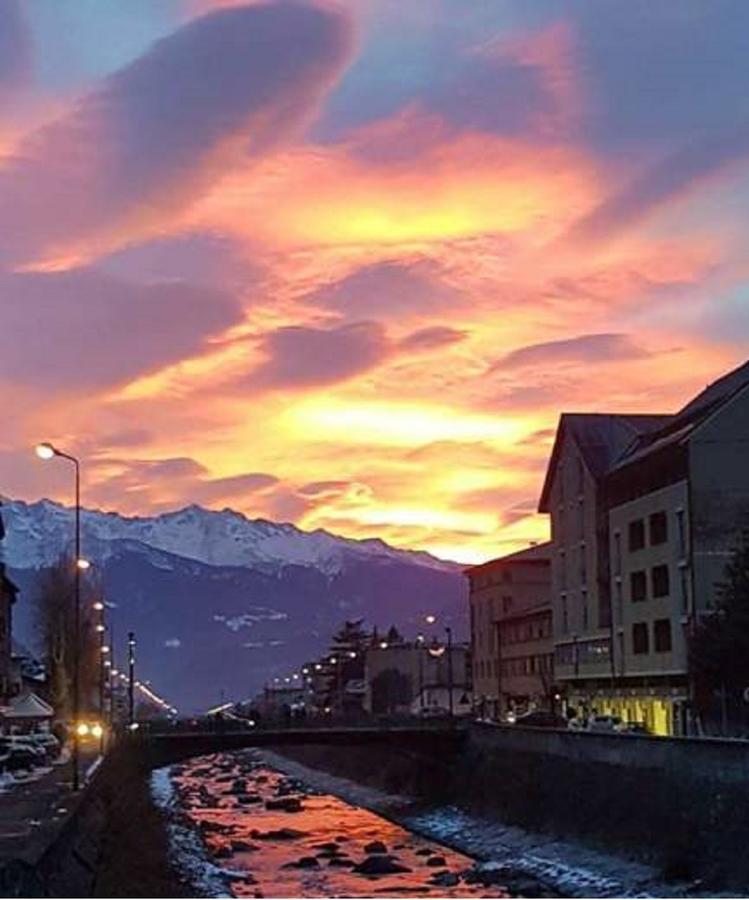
<point>449,632</point>
<point>47,451</point>
<point>101,630</point>
<point>131,678</point>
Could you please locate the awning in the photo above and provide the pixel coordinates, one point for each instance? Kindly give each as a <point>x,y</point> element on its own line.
<point>28,706</point>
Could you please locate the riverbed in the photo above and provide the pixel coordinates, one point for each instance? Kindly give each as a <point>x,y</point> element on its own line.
<point>241,828</point>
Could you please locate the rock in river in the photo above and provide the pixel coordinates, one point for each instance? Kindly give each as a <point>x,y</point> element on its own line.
<point>306,862</point>
<point>375,847</point>
<point>380,865</point>
<point>287,804</point>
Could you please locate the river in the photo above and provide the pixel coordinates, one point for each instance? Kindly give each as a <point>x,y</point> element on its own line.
<point>241,828</point>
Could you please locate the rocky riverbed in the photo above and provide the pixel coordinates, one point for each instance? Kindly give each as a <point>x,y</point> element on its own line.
<point>242,828</point>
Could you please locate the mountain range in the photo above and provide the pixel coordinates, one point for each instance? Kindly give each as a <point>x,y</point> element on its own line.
<point>221,603</point>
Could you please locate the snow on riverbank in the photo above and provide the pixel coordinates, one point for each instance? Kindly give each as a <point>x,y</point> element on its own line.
<point>188,854</point>
<point>568,867</point>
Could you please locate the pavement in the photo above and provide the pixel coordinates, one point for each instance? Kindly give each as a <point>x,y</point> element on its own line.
<point>34,808</point>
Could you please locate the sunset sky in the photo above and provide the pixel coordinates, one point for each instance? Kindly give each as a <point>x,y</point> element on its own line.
<point>343,264</point>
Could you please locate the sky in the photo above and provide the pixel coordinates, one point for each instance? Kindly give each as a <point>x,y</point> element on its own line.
<point>343,264</point>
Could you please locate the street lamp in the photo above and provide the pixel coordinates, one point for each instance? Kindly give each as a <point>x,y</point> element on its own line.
<point>47,451</point>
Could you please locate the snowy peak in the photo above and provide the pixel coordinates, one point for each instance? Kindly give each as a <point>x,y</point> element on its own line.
<point>38,533</point>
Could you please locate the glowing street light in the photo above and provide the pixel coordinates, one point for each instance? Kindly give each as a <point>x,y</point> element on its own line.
<point>98,606</point>
<point>83,564</point>
<point>430,619</point>
<point>45,450</point>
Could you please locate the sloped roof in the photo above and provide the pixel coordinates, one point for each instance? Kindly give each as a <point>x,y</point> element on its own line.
<point>601,438</point>
<point>680,427</point>
<point>28,706</point>
<point>534,553</point>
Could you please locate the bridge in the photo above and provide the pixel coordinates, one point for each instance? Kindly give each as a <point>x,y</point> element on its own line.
<point>165,748</point>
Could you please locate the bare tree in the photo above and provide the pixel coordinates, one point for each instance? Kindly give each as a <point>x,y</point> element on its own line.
<point>54,613</point>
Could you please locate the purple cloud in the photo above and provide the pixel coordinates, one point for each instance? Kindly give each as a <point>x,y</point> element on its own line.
<point>157,134</point>
<point>432,338</point>
<point>302,356</point>
<point>15,50</point>
<point>585,348</point>
<point>85,329</point>
<point>387,288</point>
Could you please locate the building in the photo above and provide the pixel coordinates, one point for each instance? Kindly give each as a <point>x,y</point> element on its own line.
<point>511,632</point>
<point>645,511</point>
<point>8,593</point>
<point>415,675</point>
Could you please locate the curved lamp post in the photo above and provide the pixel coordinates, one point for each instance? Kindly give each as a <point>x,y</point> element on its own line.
<point>47,451</point>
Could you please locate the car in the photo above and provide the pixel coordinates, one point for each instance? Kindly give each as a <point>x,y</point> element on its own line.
<point>540,718</point>
<point>26,742</point>
<point>15,756</point>
<point>634,728</point>
<point>604,723</point>
<point>47,742</point>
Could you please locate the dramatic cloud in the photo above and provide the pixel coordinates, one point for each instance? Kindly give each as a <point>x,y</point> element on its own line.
<point>585,348</point>
<point>83,329</point>
<point>352,284</point>
<point>224,88</point>
<point>301,356</point>
<point>432,338</point>
<point>15,50</point>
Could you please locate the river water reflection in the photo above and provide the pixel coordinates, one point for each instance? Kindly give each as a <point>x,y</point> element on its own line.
<point>277,838</point>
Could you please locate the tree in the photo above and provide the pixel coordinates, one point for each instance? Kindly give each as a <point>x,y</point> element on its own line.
<point>719,647</point>
<point>348,646</point>
<point>54,614</point>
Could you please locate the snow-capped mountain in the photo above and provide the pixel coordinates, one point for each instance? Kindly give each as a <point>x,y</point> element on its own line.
<point>38,533</point>
<point>221,603</point>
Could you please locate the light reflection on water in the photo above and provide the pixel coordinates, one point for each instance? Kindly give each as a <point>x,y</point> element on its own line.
<point>225,796</point>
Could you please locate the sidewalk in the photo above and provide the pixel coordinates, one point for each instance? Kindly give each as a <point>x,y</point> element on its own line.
<point>33,810</point>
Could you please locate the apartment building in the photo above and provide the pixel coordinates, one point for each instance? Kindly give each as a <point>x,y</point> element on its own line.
<point>511,632</point>
<point>656,506</point>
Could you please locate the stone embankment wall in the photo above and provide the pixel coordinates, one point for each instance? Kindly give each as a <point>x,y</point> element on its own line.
<point>679,804</point>
<point>113,843</point>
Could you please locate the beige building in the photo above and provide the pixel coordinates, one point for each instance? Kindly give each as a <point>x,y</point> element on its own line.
<point>400,678</point>
<point>511,632</point>
<point>644,511</point>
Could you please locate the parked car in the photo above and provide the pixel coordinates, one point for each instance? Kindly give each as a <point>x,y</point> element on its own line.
<point>48,743</point>
<point>604,723</point>
<point>634,728</point>
<point>540,718</point>
<point>27,742</point>
<point>15,756</point>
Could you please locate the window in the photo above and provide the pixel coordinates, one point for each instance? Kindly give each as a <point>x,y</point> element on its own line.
<point>660,581</point>
<point>581,519</point>
<point>662,635</point>
<point>585,610</point>
<point>565,615</point>
<point>638,586</point>
<point>583,565</point>
<point>658,528</point>
<point>636,535</point>
<point>506,604</point>
<point>640,638</point>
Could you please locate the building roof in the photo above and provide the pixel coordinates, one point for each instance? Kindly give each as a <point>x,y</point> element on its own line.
<point>536,553</point>
<point>28,706</point>
<point>601,439</point>
<point>681,426</point>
